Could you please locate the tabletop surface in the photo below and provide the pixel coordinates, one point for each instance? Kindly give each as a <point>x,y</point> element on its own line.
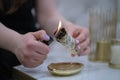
<point>91,70</point>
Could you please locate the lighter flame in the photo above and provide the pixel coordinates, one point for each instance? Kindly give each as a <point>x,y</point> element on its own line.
<point>59,27</point>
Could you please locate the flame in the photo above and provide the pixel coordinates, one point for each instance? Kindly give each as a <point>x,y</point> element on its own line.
<point>59,27</point>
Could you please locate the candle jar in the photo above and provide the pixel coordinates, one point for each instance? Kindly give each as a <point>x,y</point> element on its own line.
<point>66,40</point>
<point>102,51</point>
<point>115,54</point>
<point>102,27</point>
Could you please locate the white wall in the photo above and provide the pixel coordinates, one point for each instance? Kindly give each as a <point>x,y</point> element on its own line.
<point>77,11</point>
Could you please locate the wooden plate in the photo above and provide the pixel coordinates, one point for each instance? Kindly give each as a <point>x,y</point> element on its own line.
<point>65,68</point>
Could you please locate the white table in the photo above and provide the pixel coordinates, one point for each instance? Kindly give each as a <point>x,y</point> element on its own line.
<point>91,70</point>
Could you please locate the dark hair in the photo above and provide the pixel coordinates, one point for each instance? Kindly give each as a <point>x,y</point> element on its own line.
<point>10,6</point>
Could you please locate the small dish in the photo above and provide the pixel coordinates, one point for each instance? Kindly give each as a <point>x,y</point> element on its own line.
<point>65,68</point>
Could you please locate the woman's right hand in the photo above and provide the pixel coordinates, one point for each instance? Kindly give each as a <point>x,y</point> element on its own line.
<point>30,51</point>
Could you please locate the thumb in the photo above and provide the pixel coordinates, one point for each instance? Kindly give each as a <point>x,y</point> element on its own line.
<point>41,35</point>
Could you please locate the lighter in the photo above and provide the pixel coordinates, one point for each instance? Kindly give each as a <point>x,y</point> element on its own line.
<point>66,40</point>
<point>48,42</point>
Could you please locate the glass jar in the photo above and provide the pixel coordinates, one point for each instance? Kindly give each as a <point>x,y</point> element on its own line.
<point>102,26</point>
<point>115,54</point>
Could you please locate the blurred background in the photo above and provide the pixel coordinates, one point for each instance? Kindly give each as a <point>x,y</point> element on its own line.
<point>77,11</point>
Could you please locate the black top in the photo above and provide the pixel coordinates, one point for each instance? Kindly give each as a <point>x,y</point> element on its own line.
<point>22,20</point>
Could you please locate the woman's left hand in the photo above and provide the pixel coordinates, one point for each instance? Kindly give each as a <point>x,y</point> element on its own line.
<point>81,36</point>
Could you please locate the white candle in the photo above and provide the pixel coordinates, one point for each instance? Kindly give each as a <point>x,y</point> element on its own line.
<point>115,54</point>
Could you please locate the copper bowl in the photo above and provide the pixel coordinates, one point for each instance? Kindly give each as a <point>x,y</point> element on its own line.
<point>65,68</point>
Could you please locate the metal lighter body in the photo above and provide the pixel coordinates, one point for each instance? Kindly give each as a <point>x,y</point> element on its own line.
<point>67,41</point>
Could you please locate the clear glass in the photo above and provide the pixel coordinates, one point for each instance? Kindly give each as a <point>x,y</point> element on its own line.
<point>102,26</point>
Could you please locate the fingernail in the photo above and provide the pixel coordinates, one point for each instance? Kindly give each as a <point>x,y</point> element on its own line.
<point>77,41</point>
<point>47,37</point>
<point>78,47</point>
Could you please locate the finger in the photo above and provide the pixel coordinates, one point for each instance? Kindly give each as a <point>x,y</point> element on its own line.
<point>76,33</point>
<point>40,47</point>
<point>39,57</point>
<point>84,52</point>
<point>41,35</point>
<point>35,60</point>
<point>83,35</point>
<point>83,44</point>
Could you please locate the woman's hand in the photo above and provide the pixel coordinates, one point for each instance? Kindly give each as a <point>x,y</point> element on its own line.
<point>30,51</point>
<point>81,36</point>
